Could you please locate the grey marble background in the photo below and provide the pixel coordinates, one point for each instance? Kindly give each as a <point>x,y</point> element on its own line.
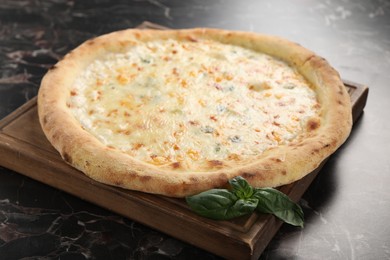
<point>346,208</point>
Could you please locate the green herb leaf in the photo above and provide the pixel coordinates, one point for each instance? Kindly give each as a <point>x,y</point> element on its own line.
<point>277,203</point>
<point>220,204</point>
<point>241,187</point>
<point>242,199</point>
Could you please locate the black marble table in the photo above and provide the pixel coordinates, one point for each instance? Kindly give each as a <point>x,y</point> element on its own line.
<point>347,207</point>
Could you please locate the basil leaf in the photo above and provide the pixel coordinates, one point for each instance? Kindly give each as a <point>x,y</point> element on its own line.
<point>223,204</point>
<point>277,203</point>
<point>241,187</point>
<point>220,204</point>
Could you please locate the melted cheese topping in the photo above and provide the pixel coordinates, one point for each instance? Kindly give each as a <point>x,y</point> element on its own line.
<point>192,105</point>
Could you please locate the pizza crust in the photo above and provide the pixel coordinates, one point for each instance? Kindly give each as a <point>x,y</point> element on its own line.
<point>277,166</point>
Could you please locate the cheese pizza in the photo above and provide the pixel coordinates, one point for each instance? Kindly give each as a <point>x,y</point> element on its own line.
<point>177,112</point>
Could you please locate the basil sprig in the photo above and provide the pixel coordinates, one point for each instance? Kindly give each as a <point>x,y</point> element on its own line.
<point>243,199</point>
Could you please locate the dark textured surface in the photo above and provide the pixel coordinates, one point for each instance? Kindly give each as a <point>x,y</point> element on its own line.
<point>346,208</point>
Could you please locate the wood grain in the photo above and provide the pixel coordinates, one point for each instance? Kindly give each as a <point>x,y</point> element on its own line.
<point>25,149</point>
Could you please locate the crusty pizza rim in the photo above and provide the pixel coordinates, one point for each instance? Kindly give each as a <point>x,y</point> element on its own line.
<point>277,166</point>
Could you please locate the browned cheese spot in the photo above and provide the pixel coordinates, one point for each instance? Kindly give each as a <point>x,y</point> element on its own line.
<point>176,165</point>
<point>313,124</point>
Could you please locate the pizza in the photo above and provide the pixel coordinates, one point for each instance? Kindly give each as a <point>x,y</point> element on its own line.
<point>177,112</point>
